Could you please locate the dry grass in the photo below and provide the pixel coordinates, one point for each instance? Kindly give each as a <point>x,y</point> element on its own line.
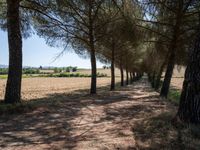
<point>36,88</point>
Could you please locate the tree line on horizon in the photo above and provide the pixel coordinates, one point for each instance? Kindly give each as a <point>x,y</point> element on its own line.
<point>135,36</point>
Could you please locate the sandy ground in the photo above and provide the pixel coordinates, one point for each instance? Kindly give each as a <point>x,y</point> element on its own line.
<point>36,88</point>
<point>131,118</point>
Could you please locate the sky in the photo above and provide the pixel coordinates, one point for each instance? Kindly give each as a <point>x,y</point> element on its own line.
<point>37,53</point>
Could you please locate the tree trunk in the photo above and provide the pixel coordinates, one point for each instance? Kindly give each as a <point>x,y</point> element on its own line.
<point>168,75</point>
<point>122,74</point>
<point>127,77</point>
<point>93,73</point>
<point>189,107</point>
<point>13,86</point>
<point>92,53</point>
<point>172,55</point>
<point>112,86</point>
<point>93,66</point>
<point>170,66</point>
<point>158,78</point>
<point>131,78</point>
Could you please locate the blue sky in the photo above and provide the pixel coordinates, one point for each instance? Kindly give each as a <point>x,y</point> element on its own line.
<point>36,53</point>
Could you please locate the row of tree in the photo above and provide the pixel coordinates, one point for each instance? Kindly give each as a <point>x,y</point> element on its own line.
<point>91,28</point>
<point>174,27</point>
<point>136,36</point>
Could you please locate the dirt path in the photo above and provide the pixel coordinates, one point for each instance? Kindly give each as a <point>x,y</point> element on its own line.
<point>125,119</point>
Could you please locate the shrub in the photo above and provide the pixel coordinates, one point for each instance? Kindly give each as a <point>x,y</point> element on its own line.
<point>31,71</point>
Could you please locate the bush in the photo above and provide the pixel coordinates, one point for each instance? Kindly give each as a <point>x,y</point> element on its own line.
<point>31,71</point>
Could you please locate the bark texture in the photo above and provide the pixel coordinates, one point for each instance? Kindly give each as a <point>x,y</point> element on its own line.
<point>112,86</point>
<point>13,86</point>
<point>168,75</point>
<point>92,49</point>
<point>127,77</point>
<point>189,108</point>
<point>93,72</point>
<point>158,77</point>
<point>172,51</point>
<point>122,74</point>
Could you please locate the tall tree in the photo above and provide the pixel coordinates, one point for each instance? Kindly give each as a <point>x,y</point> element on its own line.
<point>75,23</point>
<point>171,24</point>
<point>13,86</point>
<point>189,108</point>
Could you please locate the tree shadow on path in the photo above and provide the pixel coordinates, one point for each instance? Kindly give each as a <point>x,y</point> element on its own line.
<point>125,119</point>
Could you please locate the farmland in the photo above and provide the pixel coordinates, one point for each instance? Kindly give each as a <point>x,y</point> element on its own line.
<point>36,88</point>
<point>78,73</point>
<point>40,87</point>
